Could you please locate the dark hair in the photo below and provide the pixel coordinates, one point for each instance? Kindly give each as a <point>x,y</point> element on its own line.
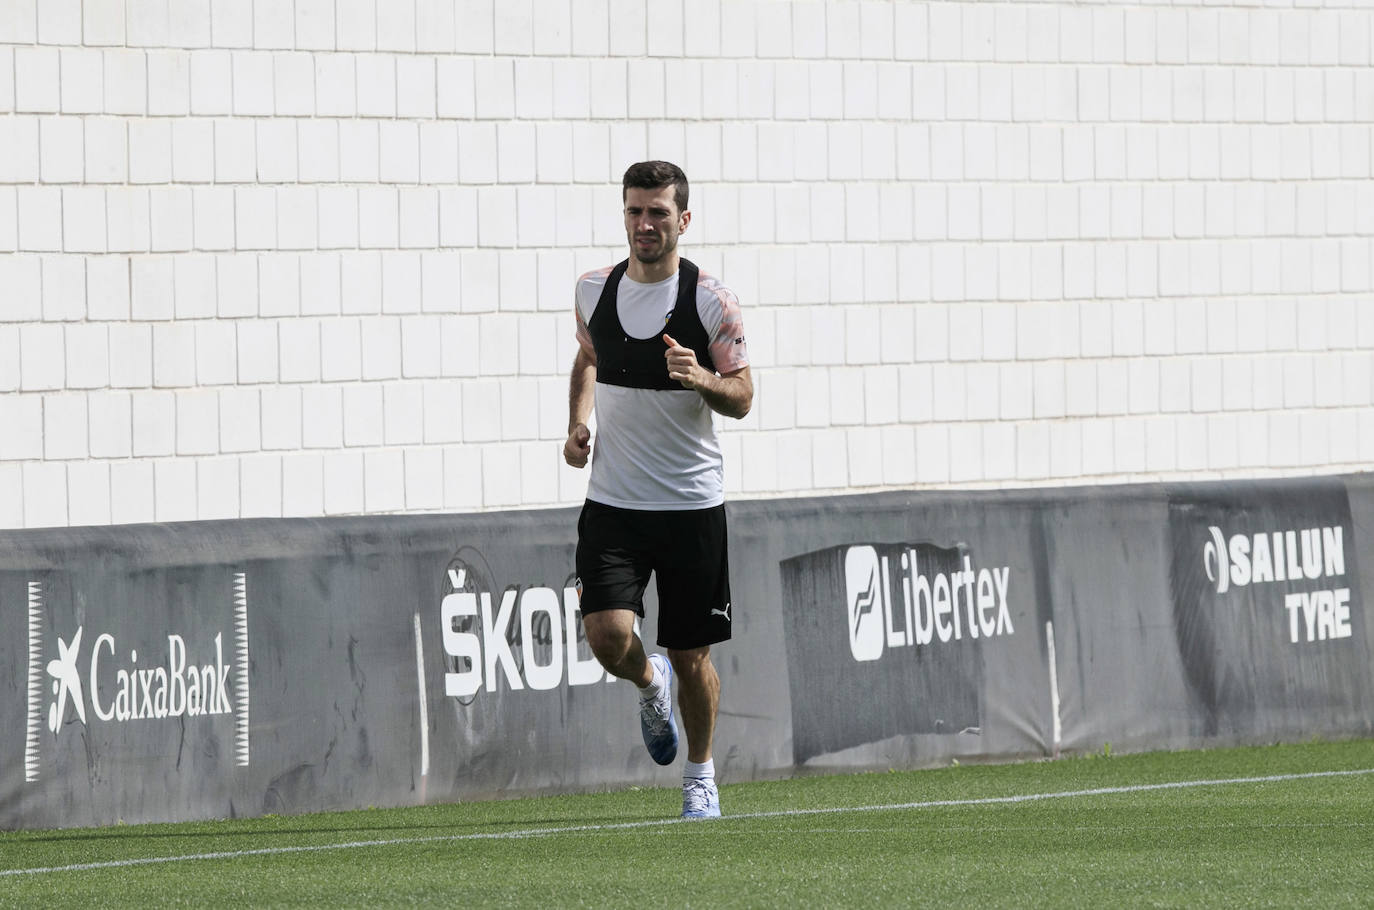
<point>652,175</point>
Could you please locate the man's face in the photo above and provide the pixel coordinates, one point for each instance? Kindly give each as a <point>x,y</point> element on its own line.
<point>652,222</point>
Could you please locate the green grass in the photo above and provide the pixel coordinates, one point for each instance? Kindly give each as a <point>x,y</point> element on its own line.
<point>1302,842</point>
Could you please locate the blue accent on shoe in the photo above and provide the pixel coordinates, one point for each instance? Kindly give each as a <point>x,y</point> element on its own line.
<point>700,799</point>
<point>656,720</point>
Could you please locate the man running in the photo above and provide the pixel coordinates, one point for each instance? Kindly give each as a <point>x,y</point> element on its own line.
<point>661,349</point>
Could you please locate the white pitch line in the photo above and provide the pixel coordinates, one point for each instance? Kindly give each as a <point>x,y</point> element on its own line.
<point>624,826</point>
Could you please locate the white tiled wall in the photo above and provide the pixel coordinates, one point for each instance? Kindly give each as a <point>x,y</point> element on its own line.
<point>315,257</point>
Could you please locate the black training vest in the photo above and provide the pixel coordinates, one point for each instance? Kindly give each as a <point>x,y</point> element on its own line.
<point>638,363</point>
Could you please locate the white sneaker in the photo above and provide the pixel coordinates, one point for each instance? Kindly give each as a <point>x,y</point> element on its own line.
<point>656,721</point>
<point>700,799</point>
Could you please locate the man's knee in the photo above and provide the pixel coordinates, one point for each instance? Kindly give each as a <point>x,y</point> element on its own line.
<point>608,636</point>
<point>693,664</point>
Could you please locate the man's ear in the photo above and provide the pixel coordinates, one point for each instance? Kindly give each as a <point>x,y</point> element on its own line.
<point>683,220</point>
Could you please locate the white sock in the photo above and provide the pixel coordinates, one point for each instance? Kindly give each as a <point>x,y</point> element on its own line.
<point>699,770</point>
<point>655,686</point>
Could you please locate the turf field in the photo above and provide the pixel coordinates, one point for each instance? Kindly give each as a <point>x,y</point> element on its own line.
<point>1274,826</point>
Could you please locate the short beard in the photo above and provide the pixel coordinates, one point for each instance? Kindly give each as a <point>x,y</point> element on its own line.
<point>650,258</point>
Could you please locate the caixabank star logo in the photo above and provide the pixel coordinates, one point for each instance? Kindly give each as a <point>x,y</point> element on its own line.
<point>114,672</point>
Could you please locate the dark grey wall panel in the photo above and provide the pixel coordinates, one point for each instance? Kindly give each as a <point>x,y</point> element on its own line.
<point>1266,598</point>
<point>236,668</point>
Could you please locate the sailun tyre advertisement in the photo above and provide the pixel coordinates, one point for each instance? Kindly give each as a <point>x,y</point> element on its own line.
<point>1268,609</point>
<point>238,668</point>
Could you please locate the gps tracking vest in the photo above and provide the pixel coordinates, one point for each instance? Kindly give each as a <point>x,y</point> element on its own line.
<point>638,363</point>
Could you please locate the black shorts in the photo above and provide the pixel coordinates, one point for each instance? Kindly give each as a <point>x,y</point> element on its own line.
<point>685,550</point>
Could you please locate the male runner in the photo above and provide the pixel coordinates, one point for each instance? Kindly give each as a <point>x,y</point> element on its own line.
<point>661,348</point>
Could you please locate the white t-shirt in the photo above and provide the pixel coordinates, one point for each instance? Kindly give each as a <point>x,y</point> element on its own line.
<point>658,449</point>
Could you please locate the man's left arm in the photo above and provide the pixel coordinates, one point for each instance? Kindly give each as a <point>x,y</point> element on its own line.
<point>731,394</point>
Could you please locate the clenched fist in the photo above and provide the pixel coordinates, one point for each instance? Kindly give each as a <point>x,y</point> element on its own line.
<point>578,447</point>
<point>682,363</point>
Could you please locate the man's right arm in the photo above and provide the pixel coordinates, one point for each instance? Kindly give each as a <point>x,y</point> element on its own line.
<point>581,397</point>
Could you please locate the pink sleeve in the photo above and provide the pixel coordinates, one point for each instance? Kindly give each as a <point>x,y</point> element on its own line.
<point>727,346</point>
<point>584,337</point>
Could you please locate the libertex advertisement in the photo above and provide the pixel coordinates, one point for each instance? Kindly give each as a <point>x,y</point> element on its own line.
<point>888,639</point>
